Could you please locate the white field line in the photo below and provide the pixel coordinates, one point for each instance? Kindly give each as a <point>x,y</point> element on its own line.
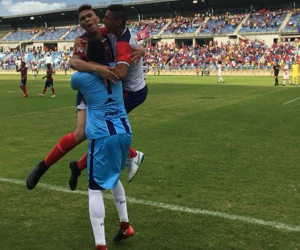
<point>15,91</point>
<point>291,101</point>
<point>273,224</point>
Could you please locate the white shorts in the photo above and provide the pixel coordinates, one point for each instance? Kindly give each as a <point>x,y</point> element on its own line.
<point>81,105</point>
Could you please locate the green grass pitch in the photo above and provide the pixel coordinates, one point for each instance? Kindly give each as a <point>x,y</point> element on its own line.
<point>221,168</point>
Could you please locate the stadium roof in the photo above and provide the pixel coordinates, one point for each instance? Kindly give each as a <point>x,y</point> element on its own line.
<point>155,9</point>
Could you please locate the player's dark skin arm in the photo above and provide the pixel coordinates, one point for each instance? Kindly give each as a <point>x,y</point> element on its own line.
<point>46,76</point>
<point>121,69</point>
<point>105,72</point>
<point>137,53</point>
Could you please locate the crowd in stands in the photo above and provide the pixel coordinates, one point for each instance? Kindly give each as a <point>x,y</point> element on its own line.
<point>180,25</point>
<point>264,20</point>
<point>38,56</point>
<point>245,54</point>
<point>293,23</point>
<point>284,52</point>
<point>260,21</point>
<point>221,24</point>
<point>154,25</point>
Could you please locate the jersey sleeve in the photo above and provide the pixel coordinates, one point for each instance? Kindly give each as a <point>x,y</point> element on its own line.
<point>103,30</point>
<point>123,51</point>
<point>74,83</point>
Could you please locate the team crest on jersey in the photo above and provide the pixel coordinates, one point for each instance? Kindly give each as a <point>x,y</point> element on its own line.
<point>80,50</point>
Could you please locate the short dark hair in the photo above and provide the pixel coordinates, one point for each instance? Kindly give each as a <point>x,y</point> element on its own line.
<point>95,51</point>
<point>119,12</point>
<point>84,7</point>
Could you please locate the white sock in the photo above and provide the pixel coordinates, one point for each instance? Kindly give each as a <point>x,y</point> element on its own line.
<point>118,194</point>
<point>97,215</point>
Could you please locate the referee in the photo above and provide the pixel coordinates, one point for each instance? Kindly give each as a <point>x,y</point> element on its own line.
<point>276,68</point>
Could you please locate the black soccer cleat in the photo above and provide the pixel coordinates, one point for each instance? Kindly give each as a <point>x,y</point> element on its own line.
<point>124,234</point>
<point>35,175</point>
<point>75,172</point>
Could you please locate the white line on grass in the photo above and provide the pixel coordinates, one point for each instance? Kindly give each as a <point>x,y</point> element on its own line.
<point>20,91</point>
<point>292,100</point>
<point>250,220</point>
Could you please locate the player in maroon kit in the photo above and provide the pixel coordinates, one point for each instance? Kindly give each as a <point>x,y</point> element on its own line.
<point>49,81</point>
<point>23,70</point>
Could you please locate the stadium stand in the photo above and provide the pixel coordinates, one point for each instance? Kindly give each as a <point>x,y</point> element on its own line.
<point>293,23</point>
<point>155,25</point>
<point>51,34</point>
<point>264,21</point>
<point>19,35</point>
<point>74,32</point>
<point>179,40</point>
<point>181,24</point>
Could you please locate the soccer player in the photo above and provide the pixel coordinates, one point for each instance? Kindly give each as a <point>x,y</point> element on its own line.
<point>145,70</point>
<point>109,138</point>
<point>295,72</point>
<point>89,21</point>
<point>220,69</point>
<point>49,81</point>
<point>34,71</point>
<point>65,67</point>
<point>131,74</point>
<point>275,71</point>
<point>23,71</point>
<point>286,75</point>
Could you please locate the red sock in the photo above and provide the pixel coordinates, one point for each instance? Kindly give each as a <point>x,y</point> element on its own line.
<point>65,144</point>
<point>124,225</point>
<point>101,247</point>
<point>82,163</point>
<point>22,89</point>
<point>25,90</point>
<point>132,152</point>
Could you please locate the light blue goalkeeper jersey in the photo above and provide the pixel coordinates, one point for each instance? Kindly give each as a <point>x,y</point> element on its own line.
<point>106,114</point>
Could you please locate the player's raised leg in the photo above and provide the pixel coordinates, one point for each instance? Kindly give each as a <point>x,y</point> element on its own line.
<point>64,145</point>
